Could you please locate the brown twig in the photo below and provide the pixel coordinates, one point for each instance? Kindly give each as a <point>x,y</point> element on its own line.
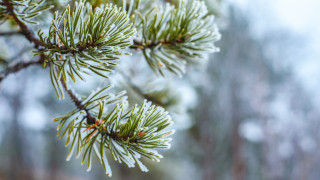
<point>146,96</point>
<point>28,34</point>
<point>138,45</point>
<point>17,67</point>
<point>140,92</point>
<point>24,29</point>
<point>11,33</point>
<point>79,47</point>
<point>78,103</point>
<point>37,44</point>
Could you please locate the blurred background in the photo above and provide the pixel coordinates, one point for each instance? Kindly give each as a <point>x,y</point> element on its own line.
<point>250,112</point>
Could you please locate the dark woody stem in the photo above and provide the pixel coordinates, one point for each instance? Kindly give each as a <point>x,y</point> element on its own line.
<point>28,34</point>
<point>78,103</point>
<point>11,33</point>
<point>17,67</point>
<point>24,29</point>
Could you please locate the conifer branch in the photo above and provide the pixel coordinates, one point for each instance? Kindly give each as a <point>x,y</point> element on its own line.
<point>89,40</point>
<point>128,134</point>
<point>173,36</point>
<point>140,92</point>
<point>31,10</point>
<point>142,46</point>
<point>147,97</point>
<point>82,39</point>
<point>19,66</point>
<point>11,33</point>
<point>24,29</point>
<point>78,103</point>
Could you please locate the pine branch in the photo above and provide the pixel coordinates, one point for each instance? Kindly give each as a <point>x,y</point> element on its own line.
<point>26,32</point>
<point>172,36</point>
<point>78,103</point>
<point>82,40</point>
<point>11,33</point>
<point>147,97</point>
<point>128,134</point>
<point>19,66</point>
<point>24,29</point>
<point>140,92</point>
<point>142,46</point>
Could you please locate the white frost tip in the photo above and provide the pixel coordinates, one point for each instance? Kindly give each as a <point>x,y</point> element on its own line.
<point>68,158</point>
<point>173,131</point>
<point>78,155</point>
<point>169,146</point>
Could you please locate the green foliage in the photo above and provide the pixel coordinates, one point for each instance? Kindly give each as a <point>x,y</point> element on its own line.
<point>89,39</point>
<point>85,39</point>
<point>24,10</point>
<point>127,5</point>
<point>128,135</point>
<point>171,36</point>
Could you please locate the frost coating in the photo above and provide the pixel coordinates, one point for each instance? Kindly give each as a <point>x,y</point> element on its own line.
<point>83,40</point>
<point>173,36</point>
<point>127,134</point>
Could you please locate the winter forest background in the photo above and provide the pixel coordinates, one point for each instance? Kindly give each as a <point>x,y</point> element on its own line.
<point>250,112</point>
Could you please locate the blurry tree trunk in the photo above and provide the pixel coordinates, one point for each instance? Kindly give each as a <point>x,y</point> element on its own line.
<point>124,173</point>
<point>206,137</point>
<point>238,162</point>
<point>54,153</point>
<point>19,170</point>
<point>208,161</point>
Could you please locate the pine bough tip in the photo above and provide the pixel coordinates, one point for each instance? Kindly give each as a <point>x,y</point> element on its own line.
<point>128,134</point>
